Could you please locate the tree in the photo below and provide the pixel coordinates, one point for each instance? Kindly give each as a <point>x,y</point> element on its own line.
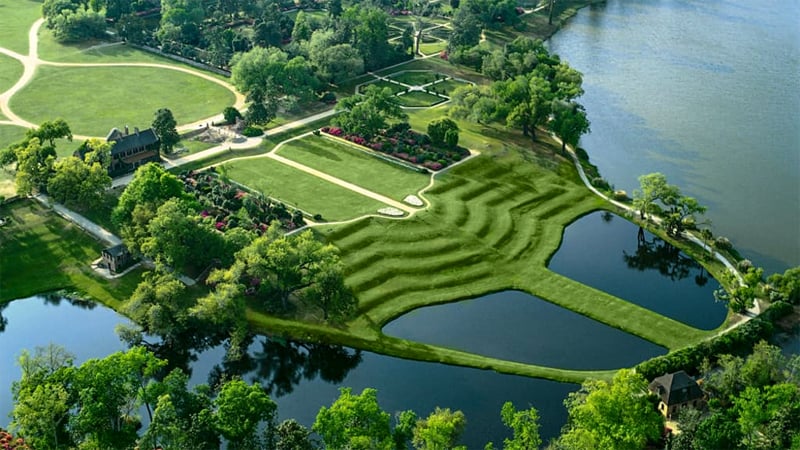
<point>474,103</point>
<point>441,430</point>
<point>569,123</point>
<point>354,422</point>
<point>230,114</point>
<point>268,77</point>
<point>756,407</point>
<point>291,435</point>
<point>109,391</point>
<point>49,131</point>
<point>331,295</point>
<point>159,305</point>
<point>34,167</point>
<point>151,186</point>
<point>367,115</point>
<point>786,286</point>
<point>466,29</point>
<point>79,182</point>
<point>437,130</point>
<point>618,415</point>
<point>718,431</point>
<point>164,125</point>
<point>240,410</point>
<point>370,34</point>
<point>334,62</point>
<point>524,425</point>
<point>653,188</point>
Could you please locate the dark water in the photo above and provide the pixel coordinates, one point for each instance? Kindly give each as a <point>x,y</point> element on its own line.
<point>708,93</point>
<point>297,374</point>
<point>524,328</point>
<point>603,251</point>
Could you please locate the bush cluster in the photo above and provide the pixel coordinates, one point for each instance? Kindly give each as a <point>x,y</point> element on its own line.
<point>400,142</point>
<point>228,206</point>
<point>252,131</point>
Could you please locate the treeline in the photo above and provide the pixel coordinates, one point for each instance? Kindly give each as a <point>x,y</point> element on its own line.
<point>99,405</point>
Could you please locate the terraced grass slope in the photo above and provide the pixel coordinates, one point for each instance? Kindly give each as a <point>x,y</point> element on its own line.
<point>493,225</point>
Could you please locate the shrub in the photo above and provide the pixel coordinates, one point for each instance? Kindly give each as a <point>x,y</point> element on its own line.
<point>600,183</point>
<point>252,131</point>
<point>723,243</point>
<point>230,114</point>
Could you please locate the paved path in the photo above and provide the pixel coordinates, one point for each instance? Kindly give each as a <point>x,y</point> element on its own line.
<point>90,227</point>
<point>31,62</point>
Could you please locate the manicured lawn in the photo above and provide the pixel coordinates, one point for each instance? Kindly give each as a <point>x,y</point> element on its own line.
<point>395,88</point>
<point>10,71</point>
<point>93,100</point>
<point>16,18</point>
<point>93,51</point>
<point>10,134</point>
<point>432,47</point>
<point>448,86</point>
<point>42,252</point>
<point>415,78</point>
<point>419,98</point>
<point>189,146</point>
<point>355,166</point>
<point>299,189</point>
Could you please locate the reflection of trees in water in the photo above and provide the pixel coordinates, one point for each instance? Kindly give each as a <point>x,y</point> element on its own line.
<point>55,299</point>
<point>657,254</point>
<point>280,365</point>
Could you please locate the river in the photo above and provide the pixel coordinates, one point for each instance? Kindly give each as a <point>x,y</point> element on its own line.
<point>708,93</point>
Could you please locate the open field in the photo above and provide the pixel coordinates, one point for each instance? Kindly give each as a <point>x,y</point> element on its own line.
<point>16,17</point>
<point>448,86</point>
<point>118,96</point>
<point>42,252</point>
<point>10,71</point>
<point>299,189</point>
<point>432,47</point>
<point>419,99</point>
<point>355,166</point>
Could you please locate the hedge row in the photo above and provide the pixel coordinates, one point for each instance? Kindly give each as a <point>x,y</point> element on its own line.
<point>737,341</point>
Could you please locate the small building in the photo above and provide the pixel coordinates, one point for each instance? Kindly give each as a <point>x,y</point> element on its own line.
<point>116,258</point>
<point>677,391</point>
<point>130,150</point>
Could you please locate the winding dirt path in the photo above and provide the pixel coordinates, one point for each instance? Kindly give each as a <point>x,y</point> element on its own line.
<point>31,62</point>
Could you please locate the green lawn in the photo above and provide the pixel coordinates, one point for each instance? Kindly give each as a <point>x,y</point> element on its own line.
<point>395,88</point>
<point>414,78</point>
<point>299,189</point>
<point>7,185</point>
<point>95,99</point>
<point>448,86</point>
<point>10,134</point>
<point>418,99</point>
<point>355,166</point>
<point>42,252</point>
<point>16,18</point>
<point>432,47</point>
<point>10,71</point>
<point>188,146</point>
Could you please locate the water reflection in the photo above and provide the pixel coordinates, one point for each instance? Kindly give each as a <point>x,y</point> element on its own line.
<point>280,365</point>
<point>657,254</point>
<point>620,258</point>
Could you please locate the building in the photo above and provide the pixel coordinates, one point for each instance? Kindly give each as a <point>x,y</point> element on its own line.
<point>116,258</point>
<point>677,391</point>
<point>130,150</point>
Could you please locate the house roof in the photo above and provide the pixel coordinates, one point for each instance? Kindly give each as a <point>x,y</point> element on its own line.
<point>125,142</point>
<point>676,388</point>
<point>117,250</point>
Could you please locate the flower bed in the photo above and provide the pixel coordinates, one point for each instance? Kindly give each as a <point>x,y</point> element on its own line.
<point>228,206</point>
<point>403,143</point>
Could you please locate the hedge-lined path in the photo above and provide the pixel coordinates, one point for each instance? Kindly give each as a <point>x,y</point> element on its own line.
<point>31,62</point>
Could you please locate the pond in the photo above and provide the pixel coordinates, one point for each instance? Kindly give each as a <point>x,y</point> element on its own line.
<point>604,251</point>
<point>302,378</point>
<point>520,327</point>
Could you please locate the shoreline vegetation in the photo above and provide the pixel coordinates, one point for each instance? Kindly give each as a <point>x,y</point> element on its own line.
<point>558,196</point>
